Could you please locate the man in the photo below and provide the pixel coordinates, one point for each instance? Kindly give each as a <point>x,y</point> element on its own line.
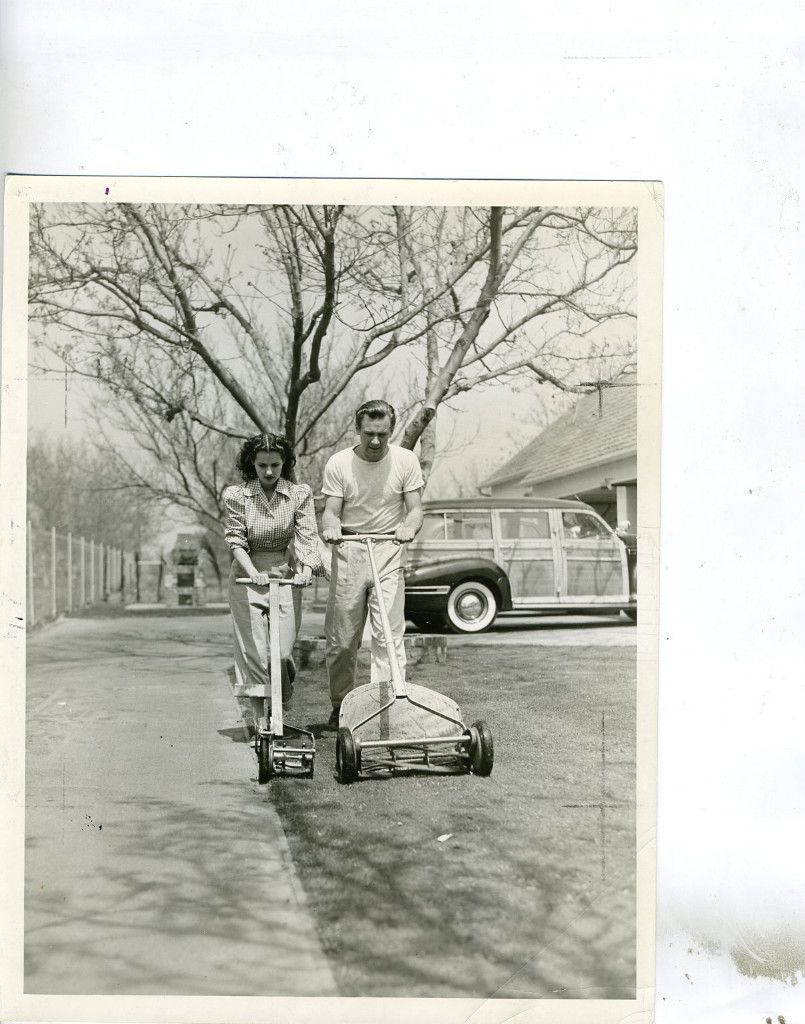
<point>373,487</point>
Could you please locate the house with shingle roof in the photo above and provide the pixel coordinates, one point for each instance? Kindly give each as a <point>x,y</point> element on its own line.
<point>589,453</point>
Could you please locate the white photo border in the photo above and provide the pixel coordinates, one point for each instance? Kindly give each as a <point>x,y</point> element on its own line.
<point>20,192</point>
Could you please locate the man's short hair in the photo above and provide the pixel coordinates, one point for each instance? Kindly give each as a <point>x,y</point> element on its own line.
<point>374,410</point>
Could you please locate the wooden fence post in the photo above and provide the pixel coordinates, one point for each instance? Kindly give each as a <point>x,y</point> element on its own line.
<point>83,571</point>
<point>53,605</point>
<point>92,572</point>
<point>31,598</point>
<point>69,570</point>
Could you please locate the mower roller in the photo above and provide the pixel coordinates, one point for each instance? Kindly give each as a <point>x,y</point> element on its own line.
<point>281,748</point>
<point>392,725</point>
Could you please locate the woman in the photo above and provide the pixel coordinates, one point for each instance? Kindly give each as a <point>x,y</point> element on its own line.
<point>264,515</point>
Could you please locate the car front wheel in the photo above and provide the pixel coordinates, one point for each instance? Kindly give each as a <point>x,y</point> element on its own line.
<point>471,607</point>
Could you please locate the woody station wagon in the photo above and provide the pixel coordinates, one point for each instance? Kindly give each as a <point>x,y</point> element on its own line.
<point>476,558</point>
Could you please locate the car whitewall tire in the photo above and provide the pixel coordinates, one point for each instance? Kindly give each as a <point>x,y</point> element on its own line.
<point>471,607</point>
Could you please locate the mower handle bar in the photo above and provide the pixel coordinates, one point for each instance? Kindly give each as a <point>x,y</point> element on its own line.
<point>274,579</point>
<point>368,536</point>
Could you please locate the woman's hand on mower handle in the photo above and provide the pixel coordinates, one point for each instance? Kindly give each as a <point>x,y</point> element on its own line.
<point>277,572</point>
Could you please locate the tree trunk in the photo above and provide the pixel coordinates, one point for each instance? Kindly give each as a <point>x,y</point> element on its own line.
<point>441,381</point>
<point>427,449</point>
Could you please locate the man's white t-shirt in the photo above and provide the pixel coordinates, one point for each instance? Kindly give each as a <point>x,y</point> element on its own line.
<point>372,491</point>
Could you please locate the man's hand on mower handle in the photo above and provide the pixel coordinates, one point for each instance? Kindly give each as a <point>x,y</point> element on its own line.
<point>332,535</point>
<point>404,534</point>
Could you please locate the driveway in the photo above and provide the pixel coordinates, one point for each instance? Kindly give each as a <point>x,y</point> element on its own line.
<point>154,863</point>
<point>525,630</point>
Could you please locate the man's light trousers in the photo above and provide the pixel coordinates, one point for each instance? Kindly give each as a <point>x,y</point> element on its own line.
<point>352,596</point>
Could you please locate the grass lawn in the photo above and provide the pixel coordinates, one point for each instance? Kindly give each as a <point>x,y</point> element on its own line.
<point>532,895</point>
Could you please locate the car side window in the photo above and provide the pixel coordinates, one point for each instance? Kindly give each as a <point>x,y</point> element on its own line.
<point>432,527</point>
<point>524,524</point>
<point>468,525</point>
<point>583,526</point>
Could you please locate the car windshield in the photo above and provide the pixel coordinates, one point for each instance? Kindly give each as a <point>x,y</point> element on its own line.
<point>583,526</point>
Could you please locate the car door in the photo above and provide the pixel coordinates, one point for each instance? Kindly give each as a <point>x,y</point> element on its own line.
<point>527,548</point>
<point>594,569</point>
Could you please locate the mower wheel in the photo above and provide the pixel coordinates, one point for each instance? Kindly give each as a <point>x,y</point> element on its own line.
<point>265,767</point>
<point>346,756</point>
<point>482,748</point>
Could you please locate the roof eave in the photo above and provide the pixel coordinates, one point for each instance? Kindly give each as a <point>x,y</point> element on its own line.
<point>626,453</point>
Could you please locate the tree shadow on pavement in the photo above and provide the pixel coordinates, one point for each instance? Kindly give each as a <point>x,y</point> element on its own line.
<point>176,906</point>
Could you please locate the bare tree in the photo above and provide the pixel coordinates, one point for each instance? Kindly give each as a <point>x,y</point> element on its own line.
<point>181,462</point>
<point>529,298</point>
<point>231,319</point>
<point>156,301</point>
<point>71,487</point>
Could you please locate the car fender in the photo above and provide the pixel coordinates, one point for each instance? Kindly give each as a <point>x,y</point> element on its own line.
<point>452,571</point>
<point>629,541</point>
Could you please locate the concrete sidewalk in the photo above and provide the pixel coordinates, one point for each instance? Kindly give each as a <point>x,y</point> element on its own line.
<point>154,862</point>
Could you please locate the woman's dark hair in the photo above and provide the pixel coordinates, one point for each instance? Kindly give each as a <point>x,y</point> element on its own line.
<point>375,410</point>
<point>251,448</point>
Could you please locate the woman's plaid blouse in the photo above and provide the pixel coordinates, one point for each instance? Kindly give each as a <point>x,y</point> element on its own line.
<point>256,522</point>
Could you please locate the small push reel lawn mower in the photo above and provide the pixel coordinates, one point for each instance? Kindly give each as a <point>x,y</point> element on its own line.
<point>281,748</point>
<point>393,725</point>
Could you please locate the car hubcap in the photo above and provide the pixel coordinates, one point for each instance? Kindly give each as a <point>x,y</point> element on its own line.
<point>471,607</point>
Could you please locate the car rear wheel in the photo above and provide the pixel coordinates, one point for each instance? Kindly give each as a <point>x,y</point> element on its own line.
<point>471,607</point>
